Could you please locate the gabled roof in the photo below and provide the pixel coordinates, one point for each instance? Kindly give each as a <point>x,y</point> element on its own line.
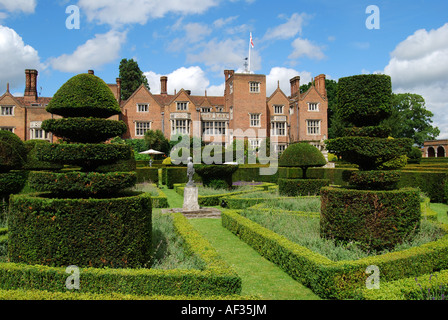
<point>277,91</point>
<point>303,96</point>
<point>142,87</point>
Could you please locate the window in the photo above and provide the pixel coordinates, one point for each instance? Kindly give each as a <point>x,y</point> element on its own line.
<point>278,128</point>
<point>180,127</point>
<point>141,128</point>
<point>182,106</point>
<point>254,87</point>
<point>231,87</point>
<point>255,120</point>
<point>7,110</point>
<point>213,128</point>
<point>10,129</point>
<point>220,127</point>
<point>141,107</point>
<point>313,127</point>
<point>39,134</point>
<point>279,148</point>
<point>206,110</point>
<point>207,127</point>
<point>278,109</point>
<point>313,106</point>
<point>254,143</point>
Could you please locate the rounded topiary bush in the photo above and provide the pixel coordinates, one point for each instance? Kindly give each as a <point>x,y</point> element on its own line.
<point>85,130</point>
<point>13,152</point>
<point>302,155</point>
<point>84,95</point>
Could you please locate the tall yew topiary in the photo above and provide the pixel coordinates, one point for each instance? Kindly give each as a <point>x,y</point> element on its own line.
<point>371,210</point>
<point>82,217</point>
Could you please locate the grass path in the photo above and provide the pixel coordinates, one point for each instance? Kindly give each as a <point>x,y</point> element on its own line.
<point>260,276</point>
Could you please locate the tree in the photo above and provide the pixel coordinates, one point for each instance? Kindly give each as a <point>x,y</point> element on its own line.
<point>131,78</point>
<point>411,119</point>
<point>155,139</point>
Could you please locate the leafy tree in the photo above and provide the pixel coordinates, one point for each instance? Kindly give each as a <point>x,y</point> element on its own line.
<point>411,119</point>
<point>155,139</point>
<point>131,78</point>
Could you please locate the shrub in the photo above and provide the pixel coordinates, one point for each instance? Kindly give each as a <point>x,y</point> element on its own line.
<point>78,184</point>
<point>414,155</point>
<point>208,173</point>
<point>375,179</point>
<point>12,151</point>
<point>84,95</point>
<point>85,130</point>
<point>347,215</point>
<point>301,187</point>
<point>12,182</point>
<point>302,155</point>
<point>113,232</point>
<point>32,162</point>
<point>365,100</point>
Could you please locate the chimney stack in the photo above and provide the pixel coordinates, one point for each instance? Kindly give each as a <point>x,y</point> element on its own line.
<point>320,85</point>
<point>163,85</point>
<point>91,72</point>
<point>31,84</point>
<point>295,86</point>
<point>118,80</point>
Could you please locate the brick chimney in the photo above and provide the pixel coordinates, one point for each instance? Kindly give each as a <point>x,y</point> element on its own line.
<point>118,80</point>
<point>320,85</point>
<point>91,72</point>
<point>31,85</point>
<point>295,86</point>
<point>163,85</point>
<point>228,74</point>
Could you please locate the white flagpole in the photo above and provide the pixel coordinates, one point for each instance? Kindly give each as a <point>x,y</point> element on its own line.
<point>250,46</point>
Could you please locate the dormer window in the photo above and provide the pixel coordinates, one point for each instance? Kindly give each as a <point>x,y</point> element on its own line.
<point>206,110</point>
<point>313,106</point>
<point>182,106</point>
<point>142,107</point>
<point>278,109</point>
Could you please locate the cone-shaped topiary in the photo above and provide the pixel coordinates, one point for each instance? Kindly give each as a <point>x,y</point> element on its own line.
<point>302,155</point>
<point>84,218</point>
<point>84,95</point>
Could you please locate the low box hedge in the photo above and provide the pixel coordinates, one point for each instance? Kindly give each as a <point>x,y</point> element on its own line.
<point>336,280</point>
<point>216,279</point>
<point>242,202</point>
<point>301,187</point>
<point>145,174</point>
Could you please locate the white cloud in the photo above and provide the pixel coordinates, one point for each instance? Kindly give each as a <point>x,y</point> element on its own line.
<point>219,23</point>
<point>225,54</point>
<point>26,6</point>
<point>16,57</point>
<point>120,12</point>
<point>304,47</point>
<point>284,75</point>
<point>102,49</point>
<point>289,29</point>
<point>419,65</point>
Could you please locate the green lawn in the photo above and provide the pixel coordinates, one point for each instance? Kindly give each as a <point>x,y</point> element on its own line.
<point>441,210</point>
<point>260,277</point>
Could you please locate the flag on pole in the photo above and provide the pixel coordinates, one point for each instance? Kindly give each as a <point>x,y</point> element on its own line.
<point>251,40</point>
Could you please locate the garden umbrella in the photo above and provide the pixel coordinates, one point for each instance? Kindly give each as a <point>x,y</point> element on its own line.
<point>151,151</point>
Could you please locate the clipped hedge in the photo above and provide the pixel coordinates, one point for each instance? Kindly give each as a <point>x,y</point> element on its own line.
<point>432,183</point>
<point>12,182</point>
<point>85,130</point>
<point>301,187</point>
<point>12,151</point>
<point>108,232</point>
<point>73,184</point>
<point>145,174</point>
<point>84,155</point>
<point>216,279</point>
<point>84,95</point>
<point>32,162</point>
<point>336,280</point>
<point>211,173</point>
<point>376,219</point>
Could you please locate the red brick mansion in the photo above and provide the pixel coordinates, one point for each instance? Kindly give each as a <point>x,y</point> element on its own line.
<point>243,111</point>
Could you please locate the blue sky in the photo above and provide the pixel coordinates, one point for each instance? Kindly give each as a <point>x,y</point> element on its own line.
<point>193,41</point>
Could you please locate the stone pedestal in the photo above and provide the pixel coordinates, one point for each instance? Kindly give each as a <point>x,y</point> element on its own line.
<point>191,199</point>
